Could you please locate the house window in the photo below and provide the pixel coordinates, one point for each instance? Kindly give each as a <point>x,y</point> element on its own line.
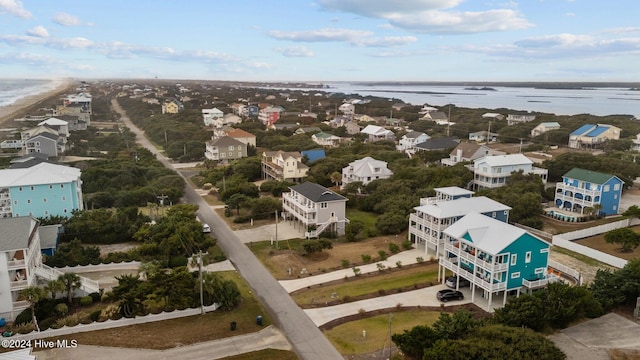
<point>606,188</point>
<point>499,170</point>
<point>493,214</point>
<point>505,212</point>
<point>515,275</point>
<point>65,211</point>
<point>44,200</point>
<point>32,188</point>
<point>46,212</point>
<point>539,271</point>
<point>64,198</point>
<point>20,188</point>
<point>514,259</point>
<point>29,201</point>
<point>323,205</point>
<point>527,257</point>
<point>61,186</point>
<point>545,250</point>
<point>230,154</point>
<point>15,202</point>
<point>231,147</point>
<point>616,187</point>
<point>223,155</point>
<point>50,186</point>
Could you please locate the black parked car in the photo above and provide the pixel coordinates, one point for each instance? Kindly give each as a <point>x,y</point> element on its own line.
<point>451,282</point>
<point>448,294</point>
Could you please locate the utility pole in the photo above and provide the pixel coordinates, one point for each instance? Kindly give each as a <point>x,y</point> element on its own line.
<point>277,247</point>
<point>199,259</point>
<point>165,137</point>
<point>520,145</point>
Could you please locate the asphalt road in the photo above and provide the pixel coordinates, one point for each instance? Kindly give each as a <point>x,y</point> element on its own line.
<point>305,337</point>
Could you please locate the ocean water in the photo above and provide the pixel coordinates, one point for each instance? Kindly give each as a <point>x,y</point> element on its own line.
<point>600,101</point>
<point>11,90</point>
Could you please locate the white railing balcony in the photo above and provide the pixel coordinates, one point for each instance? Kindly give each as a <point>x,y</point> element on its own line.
<point>448,162</point>
<point>14,264</point>
<point>20,305</point>
<point>534,284</point>
<point>19,284</point>
<point>472,258</point>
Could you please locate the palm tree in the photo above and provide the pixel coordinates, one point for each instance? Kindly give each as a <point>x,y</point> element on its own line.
<point>54,287</point>
<point>71,282</point>
<point>33,294</point>
<point>336,177</point>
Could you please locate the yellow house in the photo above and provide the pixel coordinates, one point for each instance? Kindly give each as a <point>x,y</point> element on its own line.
<point>172,106</point>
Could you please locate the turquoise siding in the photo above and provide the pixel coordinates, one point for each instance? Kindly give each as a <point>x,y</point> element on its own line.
<point>539,260</point>
<point>45,200</point>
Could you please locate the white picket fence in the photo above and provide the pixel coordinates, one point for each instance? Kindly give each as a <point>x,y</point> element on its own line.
<point>110,324</point>
<point>125,265</point>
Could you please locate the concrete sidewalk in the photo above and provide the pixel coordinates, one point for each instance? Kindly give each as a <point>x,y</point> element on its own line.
<point>405,257</point>
<point>268,338</point>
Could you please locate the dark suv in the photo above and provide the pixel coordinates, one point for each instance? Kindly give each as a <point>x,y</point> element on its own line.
<point>448,294</point>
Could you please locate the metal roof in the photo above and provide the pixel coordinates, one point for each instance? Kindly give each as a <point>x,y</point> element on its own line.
<point>462,206</point>
<point>316,193</point>
<point>588,176</point>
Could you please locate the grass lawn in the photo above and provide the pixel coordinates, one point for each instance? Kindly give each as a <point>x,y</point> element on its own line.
<point>348,339</point>
<point>183,331</point>
<point>372,283</point>
<point>267,354</point>
<point>366,218</point>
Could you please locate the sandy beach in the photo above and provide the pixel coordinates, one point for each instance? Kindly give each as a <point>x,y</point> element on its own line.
<point>22,106</point>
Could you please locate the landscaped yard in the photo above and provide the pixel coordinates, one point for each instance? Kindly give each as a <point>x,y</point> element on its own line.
<point>374,284</point>
<point>554,226</point>
<point>278,262</point>
<point>188,330</point>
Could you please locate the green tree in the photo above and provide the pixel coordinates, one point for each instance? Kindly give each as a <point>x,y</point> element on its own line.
<point>523,311</point>
<point>223,292</point>
<point>53,287</point>
<point>413,342</point>
<point>33,295</point>
<point>625,237</point>
<point>336,177</point>
<point>314,246</point>
<point>71,282</point>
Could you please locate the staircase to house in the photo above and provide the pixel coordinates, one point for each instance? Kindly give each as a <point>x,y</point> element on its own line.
<point>47,272</point>
<point>319,230</point>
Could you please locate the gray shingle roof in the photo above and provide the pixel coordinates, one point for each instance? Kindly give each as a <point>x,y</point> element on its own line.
<point>15,232</point>
<point>316,193</point>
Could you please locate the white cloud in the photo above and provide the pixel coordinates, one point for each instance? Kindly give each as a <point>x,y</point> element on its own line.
<point>439,22</point>
<point>72,43</point>
<point>38,31</point>
<point>570,14</point>
<point>433,16</point>
<point>82,67</point>
<point>27,58</point>
<point>321,35</point>
<point>387,41</point>
<point>296,51</point>
<point>14,7</point>
<point>66,19</point>
<point>19,40</point>
<point>384,8</point>
<point>562,46</point>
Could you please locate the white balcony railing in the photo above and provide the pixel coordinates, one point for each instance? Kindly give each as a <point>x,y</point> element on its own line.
<point>19,284</point>
<point>12,264</point>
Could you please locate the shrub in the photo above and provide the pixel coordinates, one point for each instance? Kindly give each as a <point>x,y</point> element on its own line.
<point>24,317</point>
<point>420,259</point>
<point>241,219</point>
<point>394,248</point>
<point>407,245</point>
<point>177,261</point>
<point>366,258</point>
<point>96,297</point>
<point>399,264</point>
<point>356,271</point>
<point>46,323</point>
<point>383,255</point>
<point>382,292</point>
<point>380,266</point>
<point>345,263</point>
<point>95,316</point>
<point>61,309</point>
<point>86,301</point>
<point>24,328</point>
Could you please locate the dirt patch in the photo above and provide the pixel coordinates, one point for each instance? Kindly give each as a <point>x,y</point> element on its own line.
<point>121,247</point>
<point>283,260</point>
<point>597,242</point>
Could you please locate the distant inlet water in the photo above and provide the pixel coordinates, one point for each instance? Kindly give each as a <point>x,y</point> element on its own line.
<point>600,101</point>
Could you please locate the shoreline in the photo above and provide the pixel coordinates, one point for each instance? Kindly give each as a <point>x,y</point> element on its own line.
<point>22,106</point>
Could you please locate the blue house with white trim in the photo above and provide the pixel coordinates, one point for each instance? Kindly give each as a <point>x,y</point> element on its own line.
<point>496,257</point>
<point>41,190</point>
<point>583,191</point>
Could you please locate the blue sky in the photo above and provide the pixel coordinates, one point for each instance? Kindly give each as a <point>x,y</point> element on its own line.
<point>322,40</point>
